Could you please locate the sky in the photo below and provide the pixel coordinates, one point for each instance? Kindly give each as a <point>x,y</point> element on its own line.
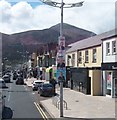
<point>17,16</point>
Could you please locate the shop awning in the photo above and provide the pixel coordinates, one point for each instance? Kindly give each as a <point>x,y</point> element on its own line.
<point>49,69</point>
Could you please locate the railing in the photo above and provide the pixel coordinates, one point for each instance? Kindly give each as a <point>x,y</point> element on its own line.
<point>56,102</point>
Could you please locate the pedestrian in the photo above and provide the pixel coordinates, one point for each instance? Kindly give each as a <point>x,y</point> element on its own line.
<point>61,78</point>
<point>53,82</point>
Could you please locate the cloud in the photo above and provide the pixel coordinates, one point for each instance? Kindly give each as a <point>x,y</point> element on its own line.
<point>93,16</point>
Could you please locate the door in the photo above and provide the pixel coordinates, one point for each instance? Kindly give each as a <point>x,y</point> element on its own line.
<point>89,85</point>
<point>115,87</point>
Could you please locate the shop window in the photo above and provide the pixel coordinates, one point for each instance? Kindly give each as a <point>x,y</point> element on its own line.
<point>108,48</point>
<point>94,56</point>
<point>86,56</point>
<point>113,47</point>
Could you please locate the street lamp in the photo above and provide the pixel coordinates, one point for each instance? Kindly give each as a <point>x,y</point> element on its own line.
<point>61,38</point>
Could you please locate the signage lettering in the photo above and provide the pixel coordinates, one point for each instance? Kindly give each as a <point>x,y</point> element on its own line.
<point>113,67</point>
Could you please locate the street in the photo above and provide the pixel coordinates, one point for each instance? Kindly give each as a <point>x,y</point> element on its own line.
<point>21,102</point>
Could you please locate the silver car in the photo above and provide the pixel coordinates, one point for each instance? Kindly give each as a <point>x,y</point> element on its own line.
<point>36,84</point>
<point>6,78</point>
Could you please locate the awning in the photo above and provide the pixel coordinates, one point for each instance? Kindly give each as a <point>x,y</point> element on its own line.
<point>49,69</point>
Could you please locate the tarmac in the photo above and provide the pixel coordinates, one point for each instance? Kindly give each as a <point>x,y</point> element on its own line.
<point>78,105</point>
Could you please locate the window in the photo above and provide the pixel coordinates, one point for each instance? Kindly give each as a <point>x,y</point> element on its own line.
<point>108,48</point>
<point>86,56</point>
<point>94,56</point>
<point>80,57</point>
<point>68,60</point>
<point>113,47</point>
<point>73,59</point>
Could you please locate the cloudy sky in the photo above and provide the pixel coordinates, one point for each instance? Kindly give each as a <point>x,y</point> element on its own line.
<point>22,15</point>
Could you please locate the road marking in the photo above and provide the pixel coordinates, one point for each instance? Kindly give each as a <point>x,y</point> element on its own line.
<point>41,111</point>
<point>9,94</point>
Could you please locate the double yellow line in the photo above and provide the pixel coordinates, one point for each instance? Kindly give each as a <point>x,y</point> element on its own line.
<point>41,111</point>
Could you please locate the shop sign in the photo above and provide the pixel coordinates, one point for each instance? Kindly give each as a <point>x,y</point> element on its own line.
<point>113,67</point>
<point>109,66</point>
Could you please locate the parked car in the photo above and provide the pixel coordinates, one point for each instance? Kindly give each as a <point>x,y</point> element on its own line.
<point>2,104</point>
<point>19,81</point>
<point>8,74</point>
<point>46,89</point>
<point>6,78</point>
<point>36,84</point>
<point>2,83</point>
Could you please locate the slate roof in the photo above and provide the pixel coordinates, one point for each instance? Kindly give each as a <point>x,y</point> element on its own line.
<point>92,41</point>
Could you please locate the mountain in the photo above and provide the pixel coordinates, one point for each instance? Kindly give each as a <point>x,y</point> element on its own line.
<point>15,45</point>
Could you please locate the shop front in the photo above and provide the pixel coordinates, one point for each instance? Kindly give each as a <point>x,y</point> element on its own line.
<point>109,79</point>
<point>80,80</point>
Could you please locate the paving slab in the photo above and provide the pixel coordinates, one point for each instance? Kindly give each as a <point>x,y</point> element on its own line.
<point>82,106</point>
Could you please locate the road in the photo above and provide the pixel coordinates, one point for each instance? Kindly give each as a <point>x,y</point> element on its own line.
<point>21,103</point>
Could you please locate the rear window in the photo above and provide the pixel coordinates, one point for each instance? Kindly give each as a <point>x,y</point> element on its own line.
<point>47,85</point>
<point>38,82</point>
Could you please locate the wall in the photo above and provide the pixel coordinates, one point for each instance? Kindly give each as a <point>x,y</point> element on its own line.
<point>91,64</point>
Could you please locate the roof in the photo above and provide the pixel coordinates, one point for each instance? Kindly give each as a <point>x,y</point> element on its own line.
<point>92,41</point>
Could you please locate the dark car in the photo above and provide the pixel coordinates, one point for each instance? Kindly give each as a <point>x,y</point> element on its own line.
<point>46,89</point>
<point>20,81</point>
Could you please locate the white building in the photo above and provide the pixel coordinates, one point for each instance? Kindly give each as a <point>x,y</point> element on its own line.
<point>109,64</point>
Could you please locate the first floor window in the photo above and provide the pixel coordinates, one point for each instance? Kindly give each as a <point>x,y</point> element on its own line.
<point>107,48</point>
<point>86,56</point>
<point>113,47</point>
<point>80,57</point>
<point>94,56</point>
<point>73,59</point>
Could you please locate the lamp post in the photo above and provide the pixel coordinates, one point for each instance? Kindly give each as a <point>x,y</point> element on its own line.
<point>61,38</point>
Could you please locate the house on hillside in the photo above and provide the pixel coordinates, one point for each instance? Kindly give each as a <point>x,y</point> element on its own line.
<point>84,59</point>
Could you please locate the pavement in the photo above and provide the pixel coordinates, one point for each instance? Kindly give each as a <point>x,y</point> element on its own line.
<point>79,105</point>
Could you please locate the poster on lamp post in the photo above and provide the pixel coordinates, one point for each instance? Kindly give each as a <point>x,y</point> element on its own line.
<point>61,69</point>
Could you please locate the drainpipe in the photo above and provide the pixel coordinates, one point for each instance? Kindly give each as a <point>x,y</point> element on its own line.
<point>102,81</point>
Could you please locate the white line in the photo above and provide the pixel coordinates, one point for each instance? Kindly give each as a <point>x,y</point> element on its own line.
<point>9,94</point>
